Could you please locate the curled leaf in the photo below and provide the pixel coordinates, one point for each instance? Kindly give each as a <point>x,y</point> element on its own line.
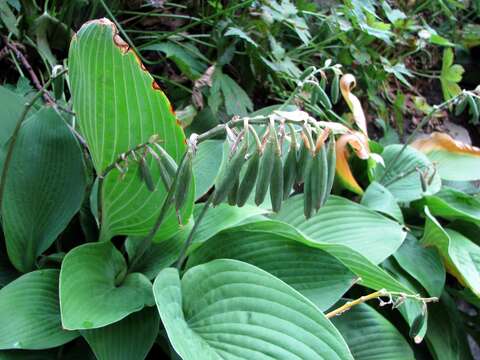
<point>359,143</point>
<point>347,84</point>
<point>455,160</point>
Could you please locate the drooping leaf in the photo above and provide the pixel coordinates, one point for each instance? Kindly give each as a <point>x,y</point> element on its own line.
<point>129,338</point>
<point>206,164</point>
<point>460,255</point>
<point>44,188</point>
<point>347,84</point>
<point>30,313</point>
<point>446,334</point>
<point>314,273</point>
<point>118,106</point>
<point>424,264</point>
<point>378,198</point>
<point>344,222</point>
<point>455,160</point>
<point>95,289</point>
<point>362,327</point>
<point>359,144</point>
<point>453,204</point>
<point>230,309</point>
<point>403,178</point>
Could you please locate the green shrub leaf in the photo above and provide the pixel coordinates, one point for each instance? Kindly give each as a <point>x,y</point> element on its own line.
<point>119,105</point>
<point>95,290</point>
<point>30,313</point>
<point>230,309</point>
<point>44,188</point>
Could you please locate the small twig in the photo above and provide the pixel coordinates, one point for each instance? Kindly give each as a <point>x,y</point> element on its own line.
<point>378,295</point>
<point>46,96</point>
<point>13,139</point>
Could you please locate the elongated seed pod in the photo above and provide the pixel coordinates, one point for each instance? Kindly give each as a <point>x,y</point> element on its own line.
<point>184,179</point>
<point>322,175</point>
<point>473,108</point>
<point>332,162</point>
<point>289,172</point>
<point>276,183</point>
<point>265,171</point>
<point>306,73</point>
<point>461,107</point>
<point>334,90</point>
<point>230,175</point>
<point>248,182</point>
<point>232,194</point>
<point>168,162</point>
<point>417,325</point>
<point>166,177</point>
<point>145,175</point>
<point>423,181</point>
<point>323,98</point>
<point>314,95</point>
<point>323,83</point>
<point>302,161</point>
<point>307,189</point>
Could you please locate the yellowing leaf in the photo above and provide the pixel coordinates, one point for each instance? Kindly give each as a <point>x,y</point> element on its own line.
<point>359,143</point>
<point>455,160</point>
<point>347,84</point>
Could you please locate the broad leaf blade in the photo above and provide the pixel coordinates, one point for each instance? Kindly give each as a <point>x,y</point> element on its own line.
<point>230,309</point>
<point>130,338</point>
<point>378,198</point>
<point>362,327</point>
<point>92,291</point>
<point>44,188</point>
<point>119,105</point>
<point>30,313</point>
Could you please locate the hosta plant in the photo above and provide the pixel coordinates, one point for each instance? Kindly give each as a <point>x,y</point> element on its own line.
<point>275,235</point>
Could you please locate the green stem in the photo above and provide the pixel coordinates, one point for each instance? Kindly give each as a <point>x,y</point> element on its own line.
<point>13,139</point>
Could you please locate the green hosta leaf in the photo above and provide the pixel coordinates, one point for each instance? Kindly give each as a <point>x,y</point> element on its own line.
<point>95,290</point>
<point>344,222</point>
<point>378,198</point>
<point>446,333</point>
<point>130,338</point>
<point>424,264</point>
<point>227,309</point>
<point>12,106</point>
<point>450,75</point>
<point>402,180</point>
<point>453,204</point>
<point>206,163</point>
<point>7,272</point>
<point>222,217</point>
<point>313,272</point>
<point>44,188</point>
<point>119,105</point>
<point>363,327</point>
<point>460,255</point>
<point>30,313</point>
<point>159,255</point>
<point>185,56</point>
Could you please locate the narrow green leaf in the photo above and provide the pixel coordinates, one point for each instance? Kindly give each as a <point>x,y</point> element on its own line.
<point>362,327</point>
<point>44,188</point>
<point>30,313</point>
<point>95,289</point>
<point>206,163</point>
<point>230,309</point>
<point>130,338</point>
<point>118,106</point>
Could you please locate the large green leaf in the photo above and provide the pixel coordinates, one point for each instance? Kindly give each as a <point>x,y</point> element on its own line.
<point>423,264</point>
<point>370,336</point>
<point>313,272</point>
<point>446,336</point>
<point>30,313</point>
<point>460,255</point>
<point>12,106</point>
<point>378,198</point>
<point>453,204</point>
<point>344,222</point>
<point>119,105</point>
<point>227,309</point>
<point>206,164</point>
<point>403,180</point>
<point>44,187</point>
<point>130,338</point>
<point>95,290</point>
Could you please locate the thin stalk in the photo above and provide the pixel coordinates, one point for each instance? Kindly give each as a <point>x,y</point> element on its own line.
<point>13,139</point>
